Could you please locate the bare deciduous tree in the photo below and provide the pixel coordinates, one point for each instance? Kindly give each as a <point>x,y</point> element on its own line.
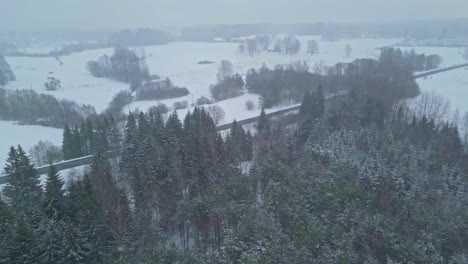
<point>225,70</point>
<point>45,152</point>
<point>216,112</point>
<point>433,106</point>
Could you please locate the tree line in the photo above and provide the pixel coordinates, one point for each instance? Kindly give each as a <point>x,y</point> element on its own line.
<point>33,108</point>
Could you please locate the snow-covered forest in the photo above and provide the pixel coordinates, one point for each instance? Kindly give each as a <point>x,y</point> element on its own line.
<point>232,143</point>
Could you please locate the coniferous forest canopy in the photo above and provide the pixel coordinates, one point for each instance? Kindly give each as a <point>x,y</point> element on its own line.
<point>356,178</point>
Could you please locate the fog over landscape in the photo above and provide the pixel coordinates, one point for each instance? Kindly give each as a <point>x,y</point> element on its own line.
<point>115,14</point>
<point>247,131</point>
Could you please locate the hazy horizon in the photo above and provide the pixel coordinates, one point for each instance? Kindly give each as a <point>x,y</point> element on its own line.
<point>106,14</point>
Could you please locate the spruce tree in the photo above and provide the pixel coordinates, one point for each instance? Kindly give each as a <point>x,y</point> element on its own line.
<point>54,200</point>
<point>23,188</point>
<point>67,145</point>
<point>23,246</point>
<point>51,237</point>
<point>263,124</point>
<point>6,223</point>
<point>319,103</point>
<point>306,106</point>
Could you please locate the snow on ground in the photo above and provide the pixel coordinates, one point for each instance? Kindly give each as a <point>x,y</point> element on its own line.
<point>26,136</point>
<point>451,84</point>
<point>178,61</point>
<point>77,83</point>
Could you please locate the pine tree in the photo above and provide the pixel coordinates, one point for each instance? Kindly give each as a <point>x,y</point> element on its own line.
<point>23,247</point>
<point>54,200</point>
<point>6,223</point>
<point>306,108</point>
<point>263,124</point>
<point>51,236</point>
<point>319,103</point>
<point>67,144</point>
<point>23,188</point>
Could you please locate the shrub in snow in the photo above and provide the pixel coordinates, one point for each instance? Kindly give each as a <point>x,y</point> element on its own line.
<point>159,90</point>
<point>249,105</point>
<point>52,84</point>
<point>160,108</point>
<point>203,101</point>
<point>206,62</point>
<point>180,105</point>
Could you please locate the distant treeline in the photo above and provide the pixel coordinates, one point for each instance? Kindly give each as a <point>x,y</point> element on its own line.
<point>124,38</point>
<point>31,107</point>
<point>254,46</point>
<point>418,30</point>
<point>139,37</point>
<point>416,62</point>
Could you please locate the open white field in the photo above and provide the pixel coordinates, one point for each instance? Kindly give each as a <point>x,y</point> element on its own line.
<point>77,83</point>
<point>26,136</point>
<point>453,85</point>
<point>178,61</point>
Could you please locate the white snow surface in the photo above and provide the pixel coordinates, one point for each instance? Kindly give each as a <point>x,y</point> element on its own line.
<point>178,61</point>
<point>451,84</point>
<point>26,136</point>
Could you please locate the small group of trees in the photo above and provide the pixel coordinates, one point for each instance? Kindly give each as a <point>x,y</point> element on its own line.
<point>228,84</point>
<point>45,152</point>
<point>289,45</point>
<point>6,74</point>
<point>124,65</point>
<point>255,46</point>
<point>281,85</point>
<point>416,62</point>
<point>119,101</point>
<point>34,108</point>
<point>91,136</point>
<point>159,90</point>
<point>52,84</point>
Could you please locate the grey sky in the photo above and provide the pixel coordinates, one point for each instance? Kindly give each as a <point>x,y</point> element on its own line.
<point>112,14</point>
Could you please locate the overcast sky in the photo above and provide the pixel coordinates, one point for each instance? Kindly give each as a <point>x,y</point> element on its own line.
<point>114,14</point>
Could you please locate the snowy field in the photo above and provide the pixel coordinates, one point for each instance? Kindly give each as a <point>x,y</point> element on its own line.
<point>26,136</point>
<point>77,83</point>
<point>451,84</point>
<point>178,61</point>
